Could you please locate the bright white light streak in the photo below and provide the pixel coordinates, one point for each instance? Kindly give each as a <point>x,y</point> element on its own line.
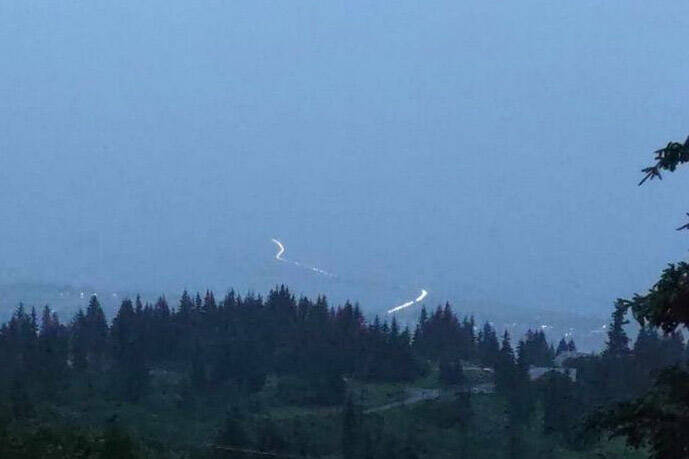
<point>278,256</point>
<point>420,298</point>
<point>401,306</point>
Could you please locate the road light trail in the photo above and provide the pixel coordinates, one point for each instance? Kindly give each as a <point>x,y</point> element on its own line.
<point>279,257</point>
<point>281,250</point>
<point>401,306</point>
<point>420,298</point>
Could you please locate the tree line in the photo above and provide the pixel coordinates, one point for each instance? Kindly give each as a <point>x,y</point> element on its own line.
<point>242,340</point>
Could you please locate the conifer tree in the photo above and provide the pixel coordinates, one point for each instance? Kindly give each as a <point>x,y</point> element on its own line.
<point>78,341</point>
<point>52,348</point>
<point>617,344</point>
<point>505,369</point>
<point>561,347</point>
<point>660,418</point>
<point>128,351</point>
<point>571,347</point>
<point>561,409</point>
<point>488,346</point>
<point>96,333</point>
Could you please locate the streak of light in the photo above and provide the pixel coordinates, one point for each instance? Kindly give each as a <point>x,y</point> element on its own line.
<point>420,298</point>
<point>279,257</point>
<point>401,306</point>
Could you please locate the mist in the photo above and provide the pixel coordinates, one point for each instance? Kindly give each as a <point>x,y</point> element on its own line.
<point>479,151</point>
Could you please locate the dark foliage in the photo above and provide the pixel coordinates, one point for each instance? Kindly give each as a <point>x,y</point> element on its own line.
<point>487,346</point>
<point>535,351</point>
<point>659,419</point>
<point>667,158</point>
<point>451,371</point>
<point>230,348</point>
<point>444,334</point>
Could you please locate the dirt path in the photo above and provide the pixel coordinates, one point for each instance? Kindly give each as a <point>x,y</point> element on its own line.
<point>414,395</point>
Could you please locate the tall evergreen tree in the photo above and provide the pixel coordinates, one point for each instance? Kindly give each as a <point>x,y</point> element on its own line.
<point>561,347</point>
<point>128,350</point>
<point>505,369</point>
<point>571,346</point>
<point>617,344</point>
<point>95,329</point>
<point>488,346</point>
<point>660,419</point>
<point>53,348</point>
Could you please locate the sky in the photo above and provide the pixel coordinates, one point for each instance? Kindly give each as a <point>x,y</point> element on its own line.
<point>481,150</point>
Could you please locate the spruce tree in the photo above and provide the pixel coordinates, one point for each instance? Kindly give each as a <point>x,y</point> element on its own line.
<point>617,344</point>
<point>505,369</point>
<point>52,349</point>
<point>96,333</point>
<point>561,347</point>
<point>128,351</point>
<point>488,346</point>
<point>659,420</point>
<point>571,347</point>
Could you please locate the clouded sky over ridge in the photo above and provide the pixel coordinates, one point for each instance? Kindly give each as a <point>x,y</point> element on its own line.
<point>479,150</point>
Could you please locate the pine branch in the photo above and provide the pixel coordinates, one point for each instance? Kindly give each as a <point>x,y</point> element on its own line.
<point>683,227</point>
<point>667,159</point>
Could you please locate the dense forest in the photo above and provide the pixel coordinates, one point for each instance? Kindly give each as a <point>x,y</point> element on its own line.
<point>281,376</point>
<point>206,203</point>
<point>79,389</point>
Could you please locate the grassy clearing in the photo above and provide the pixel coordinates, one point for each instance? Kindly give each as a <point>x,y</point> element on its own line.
<point>168,419</point>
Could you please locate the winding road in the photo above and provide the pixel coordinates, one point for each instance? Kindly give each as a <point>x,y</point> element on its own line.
<point>279,256</point>
<point>419,299</point>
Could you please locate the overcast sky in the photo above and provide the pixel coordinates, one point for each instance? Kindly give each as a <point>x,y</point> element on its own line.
<point>484,150</point>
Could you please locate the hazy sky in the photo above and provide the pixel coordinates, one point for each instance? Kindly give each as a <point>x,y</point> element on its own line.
<point>479,149</point>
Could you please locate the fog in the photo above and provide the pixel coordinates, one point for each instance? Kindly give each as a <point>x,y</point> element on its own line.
<point>479,151</point>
